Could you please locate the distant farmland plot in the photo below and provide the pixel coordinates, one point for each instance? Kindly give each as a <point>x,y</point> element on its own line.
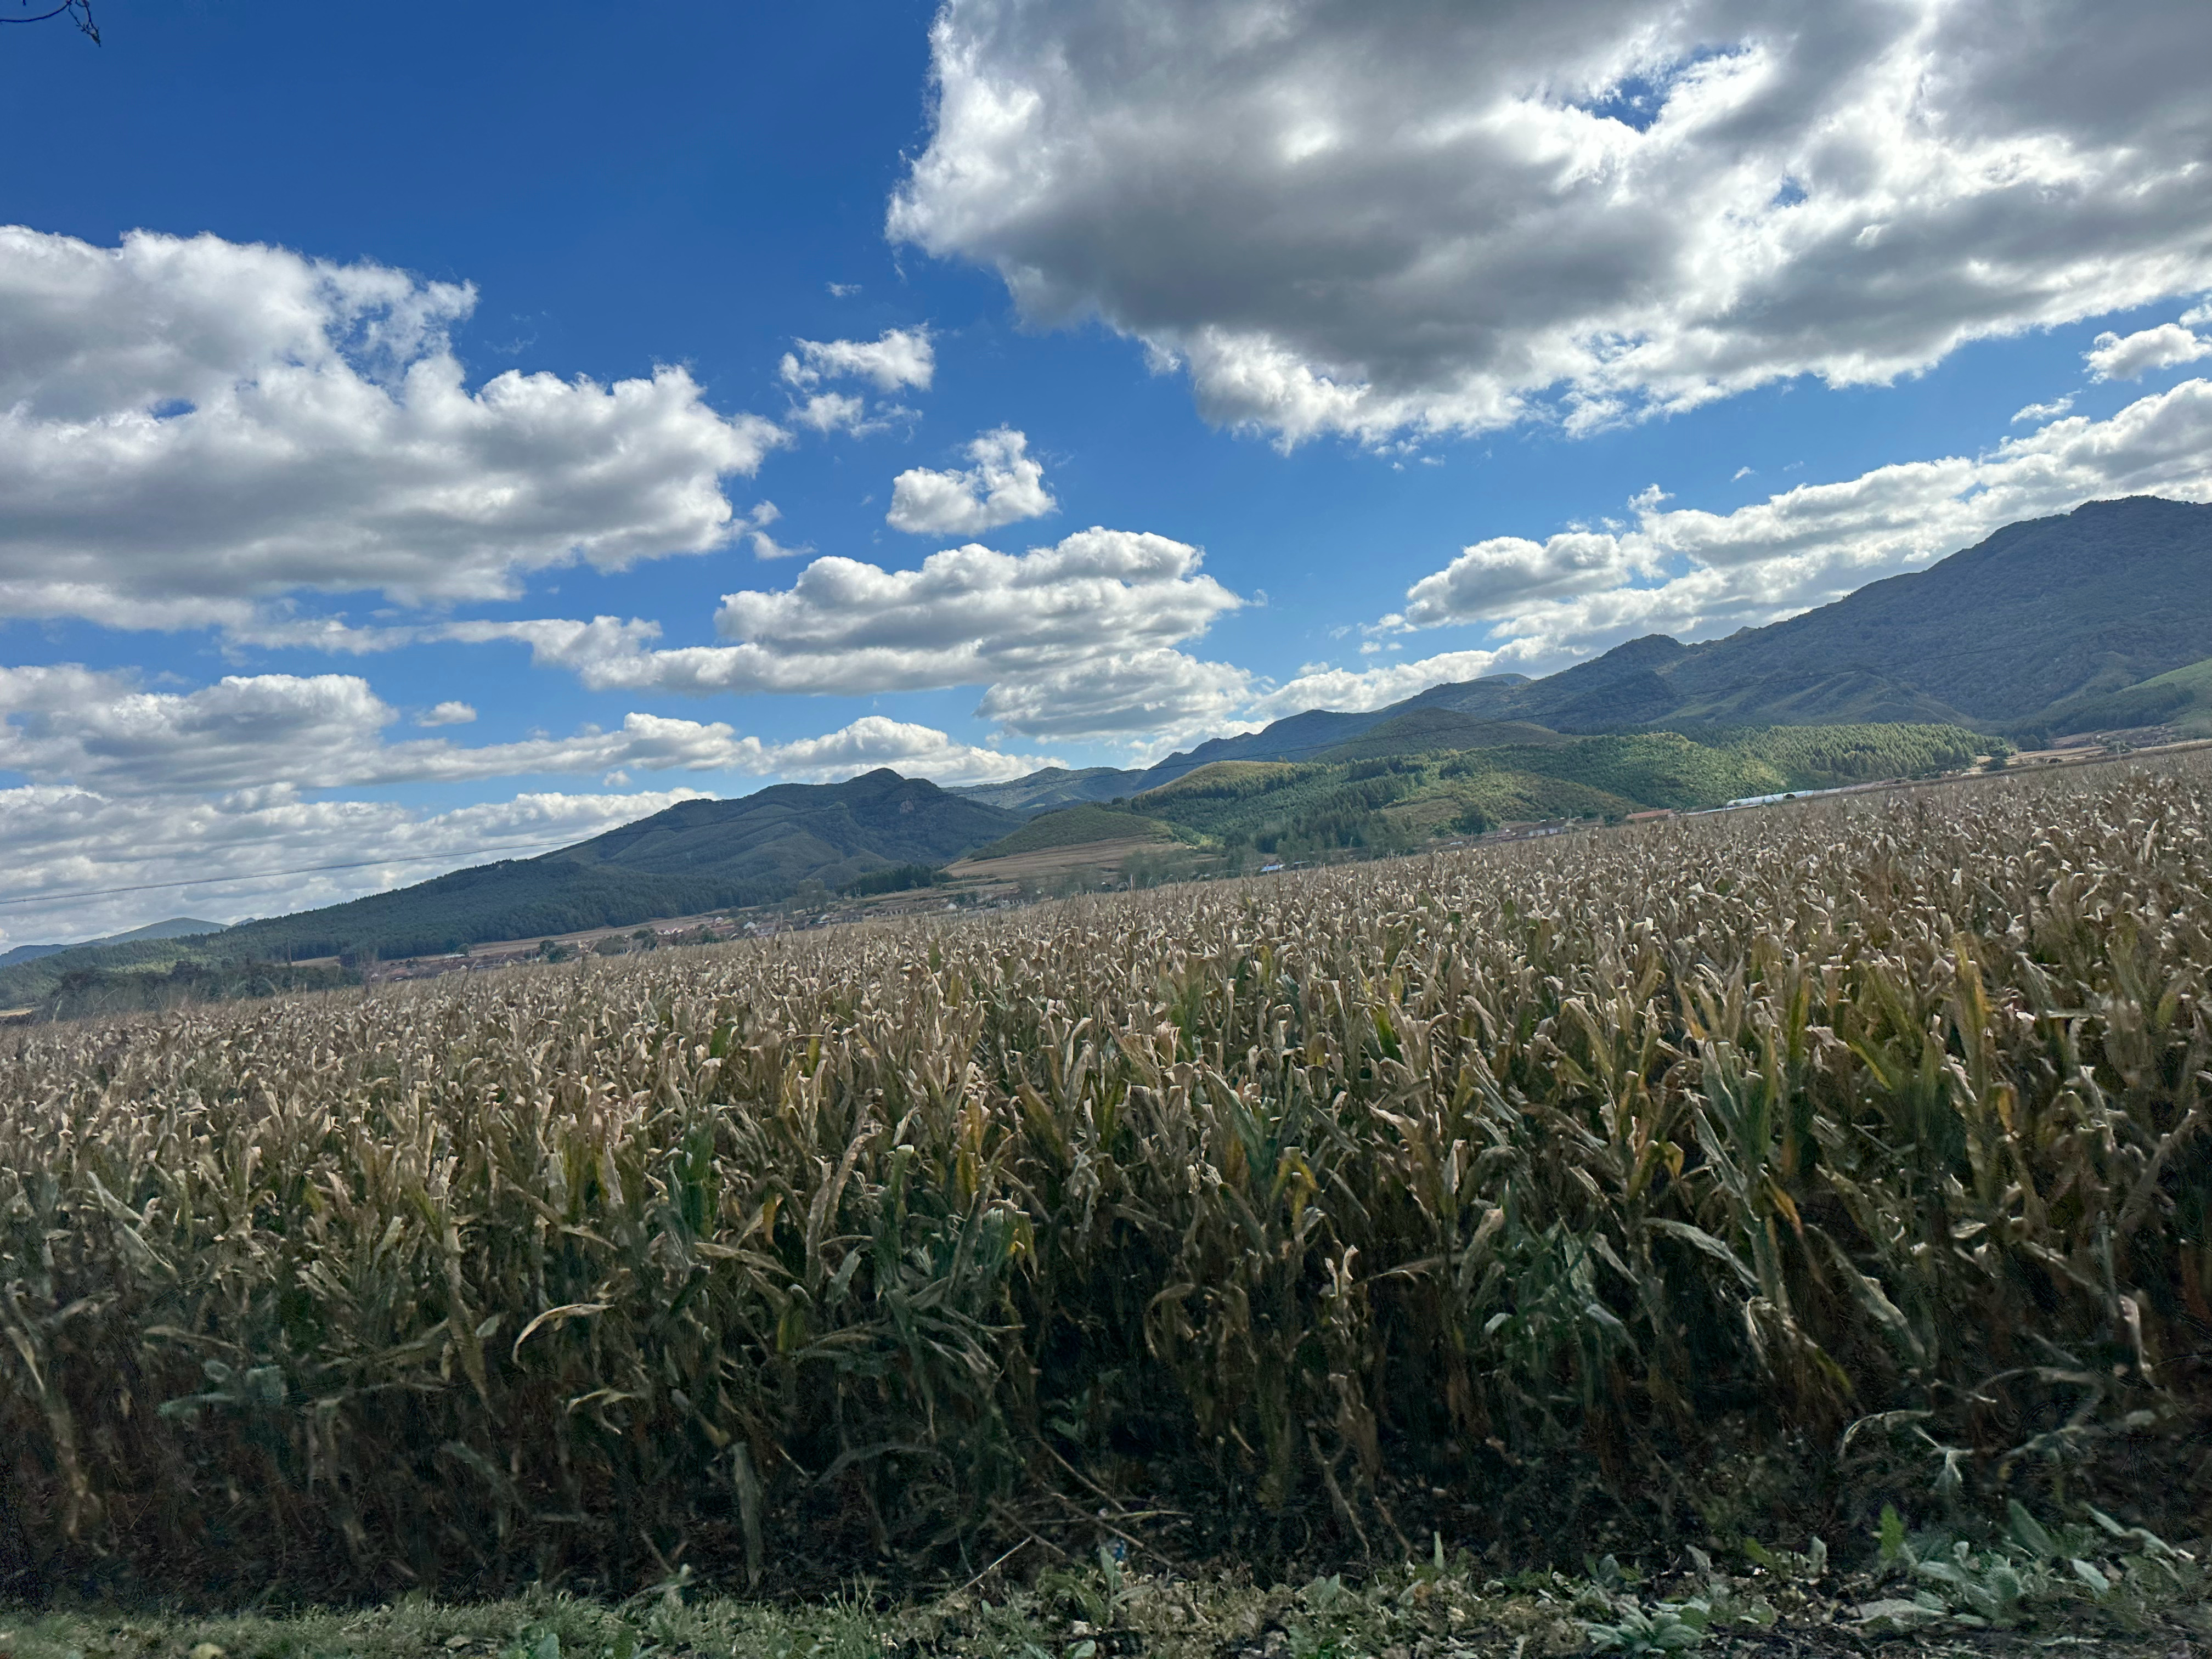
<point>1073,826</point>
<point>1726,1174</point>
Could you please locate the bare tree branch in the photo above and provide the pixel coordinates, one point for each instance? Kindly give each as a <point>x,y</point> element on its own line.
<point>77,11</point>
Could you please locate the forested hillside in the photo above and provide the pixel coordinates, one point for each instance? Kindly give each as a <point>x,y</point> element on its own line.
<point>698,855</point>
<point>1075,826</point>
<point>1400,801</point>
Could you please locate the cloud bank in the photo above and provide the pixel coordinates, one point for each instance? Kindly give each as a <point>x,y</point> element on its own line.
<point>1076,639</point>
<point>292,733</point>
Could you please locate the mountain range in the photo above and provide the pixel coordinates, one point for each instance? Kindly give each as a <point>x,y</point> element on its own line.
<point>2099,618</point>
<point>2088,620</point>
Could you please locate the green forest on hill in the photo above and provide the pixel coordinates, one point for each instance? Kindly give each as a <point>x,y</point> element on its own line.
<point>2181,698</point>
<point>1395,802</point>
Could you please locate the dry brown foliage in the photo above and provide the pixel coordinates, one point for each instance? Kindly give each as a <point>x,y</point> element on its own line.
<point>1862,1142</point>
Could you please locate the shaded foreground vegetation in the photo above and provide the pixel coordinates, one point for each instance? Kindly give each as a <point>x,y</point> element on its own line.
<point>1716,1177</point>
<point>2124,1594</point>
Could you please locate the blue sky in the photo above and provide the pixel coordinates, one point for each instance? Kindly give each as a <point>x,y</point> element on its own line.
<point>1325,351</point>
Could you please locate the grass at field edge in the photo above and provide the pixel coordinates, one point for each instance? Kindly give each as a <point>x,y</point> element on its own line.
<point>1781,1602</point>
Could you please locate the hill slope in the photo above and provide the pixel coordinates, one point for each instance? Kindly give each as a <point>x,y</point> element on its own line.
<point>2094,600</point>
<point>174,928</point>
<point>2018,634</point>
<point>2180,698</point>
<point>696,855</point>
<point>1400,801</point>
<point>1055,785</point>
<point>1082,825</point>
<point>794,831</point>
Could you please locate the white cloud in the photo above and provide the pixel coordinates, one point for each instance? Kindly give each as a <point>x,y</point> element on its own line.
<point>2042,412</point>
<point>766,546</point>
<point>835,411</point>
<point>1695,574</point>
<point>1319,686</point>
<point>130,788</point>
<point>2116,357</point>
<point>192,425</point>
<point>1506,571</point>
<point>1366,218</point>
<point>901,357</point>
<point>99,731</point>
<point>1074,640</point>
<point>832,411</point>
<point>1159,694</point>
<point>1004,487</point>
<point>916,751</point>
<point>447,714</point>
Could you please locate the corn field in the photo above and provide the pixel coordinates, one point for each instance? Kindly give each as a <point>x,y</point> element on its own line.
<point>1734,1172</point>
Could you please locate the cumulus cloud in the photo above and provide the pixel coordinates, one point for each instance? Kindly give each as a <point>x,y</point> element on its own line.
<point>1320,686</point>
<point>1362,219</point>
<point>190,425</point>
<point>1074,640</point>
<point>1161,695</point>
<point>99,731</point>
<point>446,713</point>
<point>1698,574</point>
<point>1004,487</point>
<point>917,752</point>
<point>1505,573</point>
<point>2124,357</point>
<point>901,357</point>
<point>2041,412</point>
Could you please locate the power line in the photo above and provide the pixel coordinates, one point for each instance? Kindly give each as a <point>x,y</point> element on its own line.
<point>263,875</point>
